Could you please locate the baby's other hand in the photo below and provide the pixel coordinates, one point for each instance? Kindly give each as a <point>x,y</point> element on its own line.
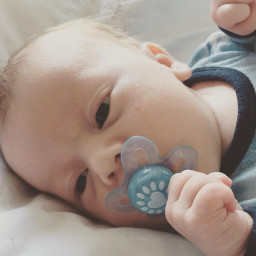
<point>204,210</point>
<point>235,16</point>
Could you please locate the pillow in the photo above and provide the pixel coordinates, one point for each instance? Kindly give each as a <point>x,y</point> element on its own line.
<point>21,19</point>
<point>170,23</point>
<point>178,25</point>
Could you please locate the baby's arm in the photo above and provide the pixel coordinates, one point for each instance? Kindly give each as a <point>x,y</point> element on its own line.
<point>204,210</point>
<point>235,16</point>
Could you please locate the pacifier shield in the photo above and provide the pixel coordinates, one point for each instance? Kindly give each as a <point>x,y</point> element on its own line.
<point>146,186</point>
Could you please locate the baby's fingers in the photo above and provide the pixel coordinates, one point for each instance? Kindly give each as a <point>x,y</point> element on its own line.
<point>194,185</point>
<point>221,177</point>
<point>214,198</point>
<point>177,184</point>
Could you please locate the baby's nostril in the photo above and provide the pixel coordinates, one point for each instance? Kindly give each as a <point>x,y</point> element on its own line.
<point>117,157</point>
<point>111,175</point>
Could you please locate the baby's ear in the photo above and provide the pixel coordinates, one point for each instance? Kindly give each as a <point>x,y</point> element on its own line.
<point>156,52</point>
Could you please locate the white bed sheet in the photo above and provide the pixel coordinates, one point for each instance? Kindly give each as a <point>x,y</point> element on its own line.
<point>33,223</point>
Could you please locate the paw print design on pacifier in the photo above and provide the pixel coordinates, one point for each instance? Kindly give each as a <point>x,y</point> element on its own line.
<point>145,187</point>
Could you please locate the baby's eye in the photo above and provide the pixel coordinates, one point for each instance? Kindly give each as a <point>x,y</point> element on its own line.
<point>81,182</point>
<point>102,113</point>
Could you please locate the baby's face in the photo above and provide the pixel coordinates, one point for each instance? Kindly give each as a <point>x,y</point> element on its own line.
<point>75,105</point>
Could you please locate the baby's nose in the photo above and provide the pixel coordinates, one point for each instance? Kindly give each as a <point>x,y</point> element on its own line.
<point>107,166</point>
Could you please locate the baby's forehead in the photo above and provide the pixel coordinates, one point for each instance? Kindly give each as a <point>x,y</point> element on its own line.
<point>78,38</point>
<point>61,52</point>
<point>61,46</point>
<point>67,51</point>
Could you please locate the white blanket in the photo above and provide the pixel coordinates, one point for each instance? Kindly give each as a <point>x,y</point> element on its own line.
<point>33,223</point>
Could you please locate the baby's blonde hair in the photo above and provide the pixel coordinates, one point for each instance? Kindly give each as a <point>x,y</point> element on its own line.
<point>10,71</point>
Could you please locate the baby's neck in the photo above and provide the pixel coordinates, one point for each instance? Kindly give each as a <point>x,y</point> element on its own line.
<point>222,98</point>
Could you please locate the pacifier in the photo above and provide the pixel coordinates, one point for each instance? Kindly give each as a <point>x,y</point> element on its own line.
<point>145,187</point>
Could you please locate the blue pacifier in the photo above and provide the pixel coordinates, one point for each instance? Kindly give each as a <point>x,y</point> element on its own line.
<point>145,187</point>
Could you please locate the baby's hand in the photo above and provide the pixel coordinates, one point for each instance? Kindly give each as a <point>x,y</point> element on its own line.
<point>204,210</point>
<point>236,16</point>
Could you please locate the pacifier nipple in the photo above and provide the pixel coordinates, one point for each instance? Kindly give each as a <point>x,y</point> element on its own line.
<point>145,187</point>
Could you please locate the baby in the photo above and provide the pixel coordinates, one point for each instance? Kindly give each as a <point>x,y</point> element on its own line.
<point>71,98</point>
